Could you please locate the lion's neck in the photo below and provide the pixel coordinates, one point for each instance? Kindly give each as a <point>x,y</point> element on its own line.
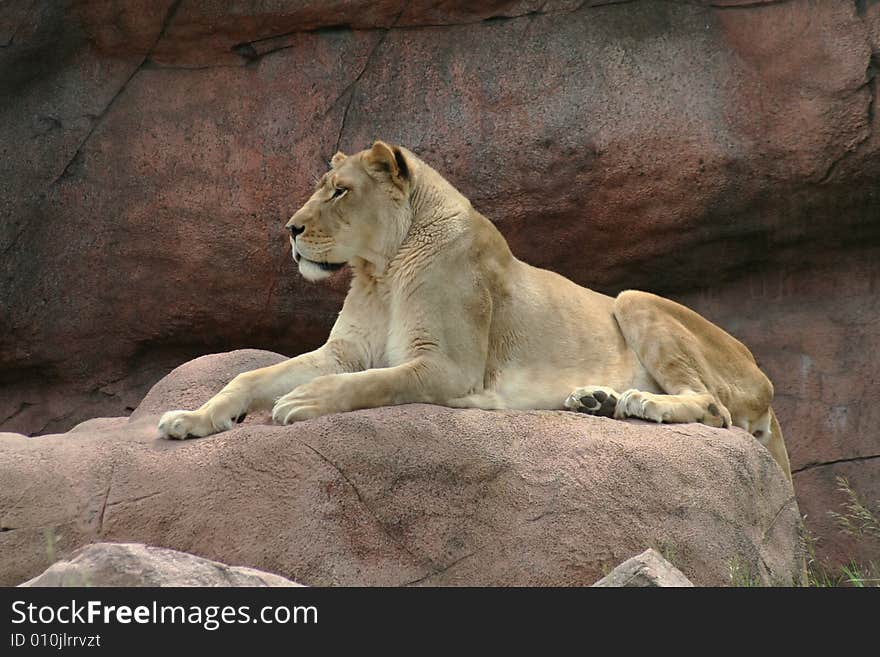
<point>437,213</point>
<point>433,198</point>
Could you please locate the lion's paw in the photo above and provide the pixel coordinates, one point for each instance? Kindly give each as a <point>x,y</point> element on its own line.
<point>307,401</point>
<point>332,393</point>
<point>638,404</point>
<point>593,400</point>
<point>288,411</point>
<point>716,415</point>
<point>702,408</point>
<point>180,425</point>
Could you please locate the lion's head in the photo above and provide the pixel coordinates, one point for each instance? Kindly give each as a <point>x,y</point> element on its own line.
<point>359,210</point>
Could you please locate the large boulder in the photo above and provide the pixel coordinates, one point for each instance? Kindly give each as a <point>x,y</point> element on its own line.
<point>413,494</point>
<point>134,564</point>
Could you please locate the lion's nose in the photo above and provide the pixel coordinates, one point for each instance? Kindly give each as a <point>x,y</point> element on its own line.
<point>295,230</point>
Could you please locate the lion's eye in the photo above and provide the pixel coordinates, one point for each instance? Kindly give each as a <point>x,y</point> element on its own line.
<point>338,192</point>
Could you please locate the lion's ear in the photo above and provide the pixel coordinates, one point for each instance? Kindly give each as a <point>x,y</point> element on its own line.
<point>388,159</point>
<point>337,159</point>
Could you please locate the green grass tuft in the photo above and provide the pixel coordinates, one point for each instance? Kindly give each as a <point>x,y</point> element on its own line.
<point>857,519</point>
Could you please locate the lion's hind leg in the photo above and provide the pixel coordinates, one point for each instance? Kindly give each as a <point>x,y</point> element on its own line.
<point>701,368</point>
<point>687,407</point>
<point>697,372</point>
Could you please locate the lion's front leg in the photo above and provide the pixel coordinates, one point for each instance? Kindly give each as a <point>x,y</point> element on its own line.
<point>430,380</point>
<point>255,390</point>
<point>607,402</point>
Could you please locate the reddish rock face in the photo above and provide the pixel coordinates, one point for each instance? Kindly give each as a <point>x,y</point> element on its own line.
<point>404,495</point>
<point>814,330</point>
<point>151,152</point>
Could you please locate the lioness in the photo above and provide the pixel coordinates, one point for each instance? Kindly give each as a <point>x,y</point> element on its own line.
<point>440,311</point>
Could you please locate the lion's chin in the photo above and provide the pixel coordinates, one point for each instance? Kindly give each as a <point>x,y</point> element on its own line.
<point>314,272</point>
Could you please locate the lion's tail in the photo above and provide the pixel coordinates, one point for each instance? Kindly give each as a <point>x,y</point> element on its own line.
<point>776,445</point>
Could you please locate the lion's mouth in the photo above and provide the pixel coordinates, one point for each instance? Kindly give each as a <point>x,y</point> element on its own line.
<point>325,266</point>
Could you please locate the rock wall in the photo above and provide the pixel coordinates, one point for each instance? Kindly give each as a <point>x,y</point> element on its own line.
<point>816,331</point>
<point>726,153</point>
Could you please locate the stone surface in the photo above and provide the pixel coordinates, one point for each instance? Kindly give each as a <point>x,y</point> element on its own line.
<point>135,564</point>
<point>403,495</point>
<point>646,569</point>
<point>151,152</point>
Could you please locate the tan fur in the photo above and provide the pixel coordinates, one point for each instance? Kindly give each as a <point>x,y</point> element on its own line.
<point>440,311</point>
